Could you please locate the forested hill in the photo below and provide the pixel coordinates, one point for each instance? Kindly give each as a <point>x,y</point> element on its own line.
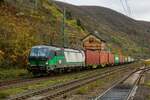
<point>25,23</point>
<point>117,29</point>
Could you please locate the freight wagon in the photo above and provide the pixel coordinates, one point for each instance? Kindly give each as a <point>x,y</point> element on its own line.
<point>92,58</point>
<point>111,60</point>
<point>96,58</point>
<point>126,59</point>
<point>103,58</point>
<point>121,59</point>
<point>117,59</point>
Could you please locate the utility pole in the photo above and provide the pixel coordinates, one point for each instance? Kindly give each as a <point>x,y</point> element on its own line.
<point>144,34</point>
<point>63,28</point>
<point>36,4</point>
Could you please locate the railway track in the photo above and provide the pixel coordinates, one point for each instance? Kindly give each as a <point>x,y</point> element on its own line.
<point>17,82</point>
<point>21,82</point>
<point>124,89</point>
<point>63,88</point>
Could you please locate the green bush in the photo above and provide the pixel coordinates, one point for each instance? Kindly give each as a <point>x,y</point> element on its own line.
<point>7,74</point>
<point>3,95</point>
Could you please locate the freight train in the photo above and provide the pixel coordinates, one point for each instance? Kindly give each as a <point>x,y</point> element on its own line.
<point>46,59</point>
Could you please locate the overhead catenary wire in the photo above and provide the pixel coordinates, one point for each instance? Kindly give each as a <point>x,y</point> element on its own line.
<point>126,7</point>
<point>123,6</point>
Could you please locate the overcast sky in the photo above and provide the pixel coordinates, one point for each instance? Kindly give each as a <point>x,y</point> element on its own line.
<point>140,8</point>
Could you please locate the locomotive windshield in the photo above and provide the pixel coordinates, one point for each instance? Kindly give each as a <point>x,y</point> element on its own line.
<point>39,52</point>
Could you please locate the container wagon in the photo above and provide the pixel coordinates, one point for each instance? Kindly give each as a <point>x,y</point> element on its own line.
<point>92,58</point>
<point>117,60</point>
<point>129,59</point>
<point>126,59</point>
<point>121,59</point>
<point>103,58</point>
<point>111,60</point>
<point>95,58</point>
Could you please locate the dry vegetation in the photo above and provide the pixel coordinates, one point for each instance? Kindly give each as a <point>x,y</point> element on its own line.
<point>120,31</point>
<point>21,28</point>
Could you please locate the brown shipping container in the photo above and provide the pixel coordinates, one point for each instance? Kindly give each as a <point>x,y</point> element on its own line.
<point>103,57</point>
<point>111,58</point>
<point>121,59</point>
<point>92,57</point>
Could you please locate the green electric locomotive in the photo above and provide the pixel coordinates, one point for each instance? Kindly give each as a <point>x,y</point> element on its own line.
<point>44,59</point>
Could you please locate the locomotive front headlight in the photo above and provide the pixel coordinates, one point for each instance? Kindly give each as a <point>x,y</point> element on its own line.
<point>46,63</point>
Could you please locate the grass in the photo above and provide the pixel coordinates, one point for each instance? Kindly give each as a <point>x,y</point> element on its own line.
<point>54,80</point>
<point>45,83</point>
<point>54,11</point>
<point>147,84</point>
<point>73,23</point>
<point>8,74</point>
<point>148,98</point>
<point>101,83</point>
<point>90,87</point>
<point>3,95</point>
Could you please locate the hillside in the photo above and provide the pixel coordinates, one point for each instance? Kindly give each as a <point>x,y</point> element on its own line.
<point>117,29</point>
<point>24,25</point>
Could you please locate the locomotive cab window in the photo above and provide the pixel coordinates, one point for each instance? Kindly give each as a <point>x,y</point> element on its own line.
<point>39,52</point>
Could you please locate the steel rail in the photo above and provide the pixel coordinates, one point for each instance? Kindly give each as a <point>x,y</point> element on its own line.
<point>130,93</point>
<point>56,87</point>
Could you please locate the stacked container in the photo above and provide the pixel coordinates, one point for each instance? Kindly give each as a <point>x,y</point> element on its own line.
<point>126,59</point>
<point>92,57</point>
<point>103,58</point>
<point>121,59</point>
<point>129,59</point>
<point>111,59</point>
<point>116,57</point>
<point>97,57</point>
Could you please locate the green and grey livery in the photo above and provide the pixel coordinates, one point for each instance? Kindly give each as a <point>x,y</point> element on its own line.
<point>48,58</point>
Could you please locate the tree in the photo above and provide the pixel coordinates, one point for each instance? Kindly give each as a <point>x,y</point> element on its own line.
<point>1,1</point>
<point>68,15</point>
<point>79,24</point>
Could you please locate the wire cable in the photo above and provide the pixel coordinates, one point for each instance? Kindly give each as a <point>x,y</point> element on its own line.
<point>123,6</point>
<point>128,8</point>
